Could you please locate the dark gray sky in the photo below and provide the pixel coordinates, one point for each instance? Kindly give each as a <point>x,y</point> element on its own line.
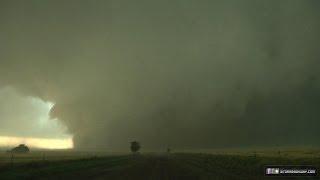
<point>179,73</point>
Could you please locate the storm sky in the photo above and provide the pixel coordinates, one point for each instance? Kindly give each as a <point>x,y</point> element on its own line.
<point>178,73</point>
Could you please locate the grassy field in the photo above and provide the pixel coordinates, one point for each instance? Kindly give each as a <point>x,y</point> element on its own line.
<point>162,166</point>
<point>35,156</point>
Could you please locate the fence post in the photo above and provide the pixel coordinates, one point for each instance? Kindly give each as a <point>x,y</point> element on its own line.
<point>206,167</point>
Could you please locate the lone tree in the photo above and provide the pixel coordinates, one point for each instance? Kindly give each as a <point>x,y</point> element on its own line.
<point>135,146</point>
<point>20,149</point>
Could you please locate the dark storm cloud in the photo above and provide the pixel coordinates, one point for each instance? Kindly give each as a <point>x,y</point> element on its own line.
<point>187,74</point>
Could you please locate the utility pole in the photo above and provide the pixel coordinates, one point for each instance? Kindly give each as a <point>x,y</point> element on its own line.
<point>43,156</point>
<point>11,159</point>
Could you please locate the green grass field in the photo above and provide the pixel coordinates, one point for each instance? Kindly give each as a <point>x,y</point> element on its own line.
<point>162,166</point>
